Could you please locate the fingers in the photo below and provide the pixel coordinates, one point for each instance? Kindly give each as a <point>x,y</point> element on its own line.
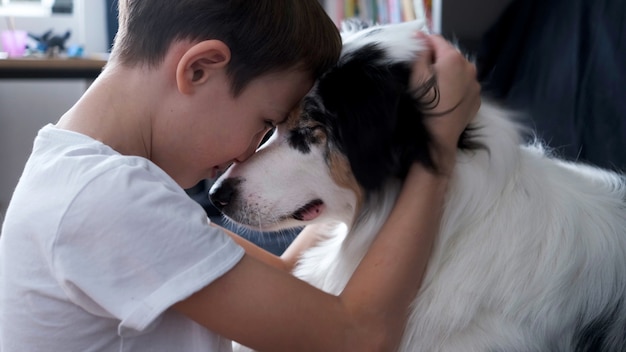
<point>439,46</point>
<point>477,100</point>
<point>422,67</point>
<point>445,83</point>
<point>459,95</point>
<point>427,53</point>
<point>442,50</point>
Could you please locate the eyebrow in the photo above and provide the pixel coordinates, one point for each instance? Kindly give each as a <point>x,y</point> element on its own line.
<point>296,110</point>
<point>285,118</point>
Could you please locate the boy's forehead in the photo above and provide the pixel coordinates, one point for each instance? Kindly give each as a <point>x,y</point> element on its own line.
<point>292,87</point>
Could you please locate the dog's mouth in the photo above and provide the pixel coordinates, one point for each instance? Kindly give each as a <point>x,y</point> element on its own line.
<point>309,211</point>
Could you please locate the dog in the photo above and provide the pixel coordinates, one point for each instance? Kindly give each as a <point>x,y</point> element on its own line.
<point>531,254</point>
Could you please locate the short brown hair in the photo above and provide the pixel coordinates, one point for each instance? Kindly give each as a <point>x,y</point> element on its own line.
<point>263,35</point>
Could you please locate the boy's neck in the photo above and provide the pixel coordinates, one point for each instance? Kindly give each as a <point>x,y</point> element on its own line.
<point>118,110</point>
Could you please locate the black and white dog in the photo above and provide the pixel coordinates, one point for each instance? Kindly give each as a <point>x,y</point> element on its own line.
<point>532,250</point>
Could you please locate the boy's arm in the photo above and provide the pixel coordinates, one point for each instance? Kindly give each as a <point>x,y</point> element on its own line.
<point>255,251</point>
<point>307,238</point>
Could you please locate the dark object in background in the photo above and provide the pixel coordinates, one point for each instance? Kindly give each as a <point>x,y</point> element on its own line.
<point>564,63</point>
<point>51,44</point>
<point>63,6</point>
<point>112,23</point>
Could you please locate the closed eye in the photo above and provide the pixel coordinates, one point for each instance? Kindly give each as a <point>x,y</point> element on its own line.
<point>271,127</point>
<point>270,124</point>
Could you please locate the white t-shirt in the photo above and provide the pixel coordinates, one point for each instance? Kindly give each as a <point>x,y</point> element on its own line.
<point>96,246</point>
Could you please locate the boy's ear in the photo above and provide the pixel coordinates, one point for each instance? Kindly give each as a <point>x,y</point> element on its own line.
<point>199,62</point>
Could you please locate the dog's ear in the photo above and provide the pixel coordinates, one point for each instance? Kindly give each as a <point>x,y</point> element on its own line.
<point>379,125</point>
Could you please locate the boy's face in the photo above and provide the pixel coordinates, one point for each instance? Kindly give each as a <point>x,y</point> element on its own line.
<point>220,129</point>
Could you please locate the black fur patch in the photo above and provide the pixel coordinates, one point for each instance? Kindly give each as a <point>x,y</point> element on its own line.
<point>299,140</point>
<point>306,133</point>
<point>373,116</point>
<point>598,335</point>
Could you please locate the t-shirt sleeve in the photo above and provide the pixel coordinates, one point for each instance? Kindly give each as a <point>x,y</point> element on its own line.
<point>132,243</point>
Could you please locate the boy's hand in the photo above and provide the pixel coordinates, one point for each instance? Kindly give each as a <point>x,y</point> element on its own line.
<point>454,100</point>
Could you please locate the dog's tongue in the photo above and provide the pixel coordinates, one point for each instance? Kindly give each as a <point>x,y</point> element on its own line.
<point>310,211</point>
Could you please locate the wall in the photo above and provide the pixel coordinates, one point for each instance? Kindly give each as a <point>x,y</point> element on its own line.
<point>27,105</point>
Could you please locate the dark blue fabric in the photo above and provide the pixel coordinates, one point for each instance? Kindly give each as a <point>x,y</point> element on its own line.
<point>564,63</point>
<point>112,23</point>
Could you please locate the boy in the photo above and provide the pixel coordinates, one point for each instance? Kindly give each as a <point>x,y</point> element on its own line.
<point>116,257</point>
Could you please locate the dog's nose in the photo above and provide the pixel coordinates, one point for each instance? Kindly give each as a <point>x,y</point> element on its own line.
<point>222,194</point>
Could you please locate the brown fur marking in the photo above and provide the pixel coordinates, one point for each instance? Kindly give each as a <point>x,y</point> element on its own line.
<point>342,175</point>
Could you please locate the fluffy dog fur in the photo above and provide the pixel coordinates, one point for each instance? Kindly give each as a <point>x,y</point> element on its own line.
<point>532,250</point>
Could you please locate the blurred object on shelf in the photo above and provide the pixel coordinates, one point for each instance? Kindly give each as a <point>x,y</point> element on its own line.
<point>75,51</point>
<point>51,44</point>
<point>14,42</point>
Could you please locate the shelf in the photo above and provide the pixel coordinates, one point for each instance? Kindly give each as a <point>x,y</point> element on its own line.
<point>35,68</point>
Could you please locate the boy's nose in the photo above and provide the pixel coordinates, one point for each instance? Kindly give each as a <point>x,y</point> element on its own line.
<point>254,145</point>
<point>243,157</point>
